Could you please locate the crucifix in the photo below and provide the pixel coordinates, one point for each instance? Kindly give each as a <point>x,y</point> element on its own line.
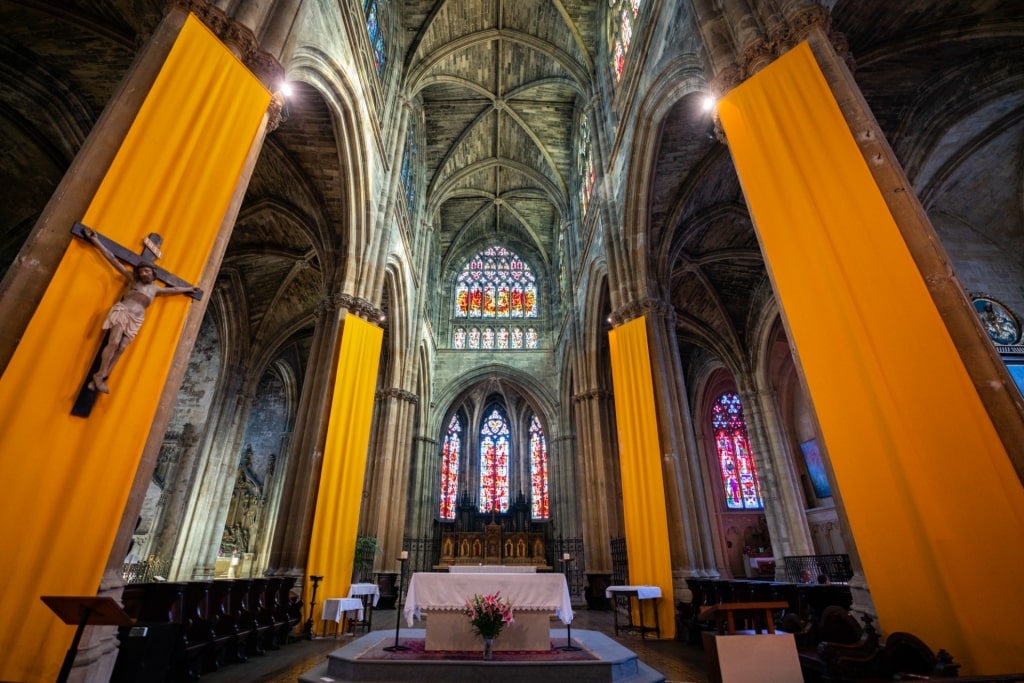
<point>125,316</point>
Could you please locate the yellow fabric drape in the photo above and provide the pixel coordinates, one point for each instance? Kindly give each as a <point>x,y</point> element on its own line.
<point>66,479</point>
<point>332,546</point>
<point>927,486</point>
<point>643,488</point>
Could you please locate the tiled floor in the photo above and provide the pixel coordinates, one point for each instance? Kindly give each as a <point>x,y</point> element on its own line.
<point>678,662</point>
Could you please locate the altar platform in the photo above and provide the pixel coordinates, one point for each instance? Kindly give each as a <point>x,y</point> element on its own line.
<point>600,660</point>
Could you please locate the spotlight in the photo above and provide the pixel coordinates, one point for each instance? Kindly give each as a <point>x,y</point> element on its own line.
<point>286,88</point>
<point>709,103</point>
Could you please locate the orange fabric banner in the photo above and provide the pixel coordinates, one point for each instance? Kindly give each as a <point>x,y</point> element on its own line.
<point>929,491</point>
<point>66,479</point>
<point>643,484</point>
<point>332,546</point>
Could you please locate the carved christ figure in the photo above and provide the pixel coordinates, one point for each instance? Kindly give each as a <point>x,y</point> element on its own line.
<point>126,316</point>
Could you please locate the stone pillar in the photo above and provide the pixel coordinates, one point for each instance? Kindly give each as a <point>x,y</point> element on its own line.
<point>385,507</point>
<point>196,552</point>
<point>690,529</point>
<point>600,486</point>
<point>425,479</point>
<point>302,475</point>
<point>780,487</point>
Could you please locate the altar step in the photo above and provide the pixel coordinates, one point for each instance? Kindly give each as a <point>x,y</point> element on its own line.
<point>612,663</point>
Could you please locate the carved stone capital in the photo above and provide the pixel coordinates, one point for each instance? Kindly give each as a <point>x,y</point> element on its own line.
<point>400,394</point>
<point>591,395</point>
<point>239,38</point>
<point>725,81</point>
<point>360,307</point>
<point>635,309</point>
<point>328,303</point>
<point>755,56</point>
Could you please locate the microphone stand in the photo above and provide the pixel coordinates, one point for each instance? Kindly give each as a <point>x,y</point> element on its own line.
<point>569,647</point>
<point>398,616</point>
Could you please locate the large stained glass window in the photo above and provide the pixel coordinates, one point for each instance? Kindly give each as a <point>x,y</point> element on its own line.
<point>584,164</point>
<point>538,471</point>
<point>496,283</point>
<point>450,453</point>
<point>621,19</point>
<point>373,27</point>
<point>735,461</point>
<point>495,448</point>
<point>496,287</point>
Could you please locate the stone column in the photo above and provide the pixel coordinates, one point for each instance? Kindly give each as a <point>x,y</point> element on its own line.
<point>302,474</point>
<point>780,488</point>
<point>385,507</point>
<point>690,529</point>
<point>196,553</point>
<point>425,479</point>
<point>600,486</point>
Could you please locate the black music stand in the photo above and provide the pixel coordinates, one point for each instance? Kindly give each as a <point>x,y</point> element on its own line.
<point>82,610</point>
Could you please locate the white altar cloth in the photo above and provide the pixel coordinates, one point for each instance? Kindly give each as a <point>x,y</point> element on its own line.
<point>642,592</point>
<point>335,607</point>
<point>449,592</point>
<point>492,569</point>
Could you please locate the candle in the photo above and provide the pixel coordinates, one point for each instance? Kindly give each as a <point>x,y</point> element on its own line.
<point>565,557</point>
<point>404,555</point>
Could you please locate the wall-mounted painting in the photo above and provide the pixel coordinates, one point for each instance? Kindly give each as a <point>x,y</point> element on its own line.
<point>816,468</point>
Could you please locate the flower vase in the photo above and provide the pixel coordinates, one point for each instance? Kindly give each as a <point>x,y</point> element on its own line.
<point>488,648</point>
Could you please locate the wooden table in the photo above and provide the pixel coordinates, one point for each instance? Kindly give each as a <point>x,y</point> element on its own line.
<point>725,614</point>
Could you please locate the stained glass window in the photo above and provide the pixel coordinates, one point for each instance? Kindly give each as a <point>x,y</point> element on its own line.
<point>495,447</point>
<point>735,461</point>
<point>584,164</point>
<point>373,27</point>
<point>496,283</point>
<point>450,453</point>
<point>409,161</point>
<point>538,471</point>
<point>621,19</point>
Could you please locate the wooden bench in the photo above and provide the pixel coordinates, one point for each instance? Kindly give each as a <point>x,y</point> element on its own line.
<point>725,613</point>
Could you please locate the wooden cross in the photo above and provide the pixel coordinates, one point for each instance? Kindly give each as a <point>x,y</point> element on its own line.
<point>150,253</point>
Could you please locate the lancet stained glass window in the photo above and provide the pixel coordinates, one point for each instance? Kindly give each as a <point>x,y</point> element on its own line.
<point>495,448</point>
<point>735,461</point>
<point>538,471</point>
<point>621,19</point>
<point>409,161</point>
<point>450,453</point>
<point>584,164</point>
<point>373,27</point>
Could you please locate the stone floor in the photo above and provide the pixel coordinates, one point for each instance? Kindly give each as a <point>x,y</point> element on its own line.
<point>678,662</point>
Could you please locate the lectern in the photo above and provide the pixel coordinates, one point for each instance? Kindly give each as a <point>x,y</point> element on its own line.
<point>82,610</point>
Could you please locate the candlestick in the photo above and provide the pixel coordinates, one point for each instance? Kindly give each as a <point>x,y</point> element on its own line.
<point>398,610</point>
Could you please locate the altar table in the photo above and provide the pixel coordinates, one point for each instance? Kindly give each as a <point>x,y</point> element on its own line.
<point>535,597</point>
<point>492,569</point>
<point>640,593</point>
<point>338,609</point>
